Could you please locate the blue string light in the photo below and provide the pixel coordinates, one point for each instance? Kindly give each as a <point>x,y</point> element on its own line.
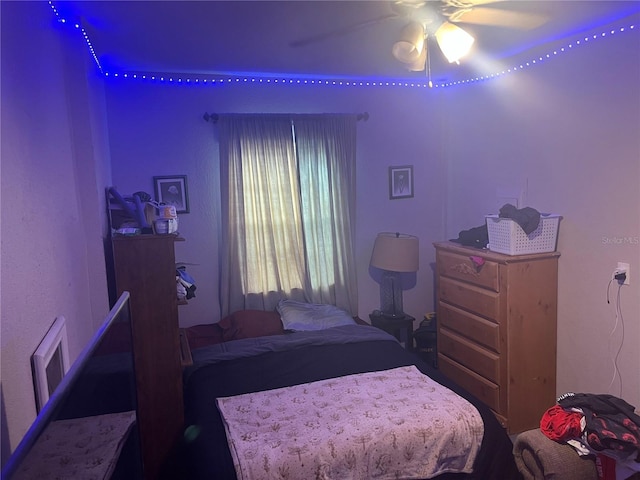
<point>222,79</point>
<point>77,26</point>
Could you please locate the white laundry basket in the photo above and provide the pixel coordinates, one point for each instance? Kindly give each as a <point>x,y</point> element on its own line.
<point>506,236</point>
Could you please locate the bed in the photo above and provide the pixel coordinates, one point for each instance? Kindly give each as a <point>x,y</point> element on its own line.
<point>251,354</point>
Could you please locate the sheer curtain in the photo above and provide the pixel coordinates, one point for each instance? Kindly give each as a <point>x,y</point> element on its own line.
<point>288,190</point>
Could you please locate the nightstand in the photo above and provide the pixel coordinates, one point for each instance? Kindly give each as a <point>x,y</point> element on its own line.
<point>399,327</point>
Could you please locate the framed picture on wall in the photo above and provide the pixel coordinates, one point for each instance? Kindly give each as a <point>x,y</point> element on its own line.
<point>172,190</point>
<point>50,362</point>
<point>401,182</point>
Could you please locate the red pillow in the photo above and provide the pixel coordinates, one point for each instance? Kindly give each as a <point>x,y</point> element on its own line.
<point>249,324</point>
<point>203,335</point>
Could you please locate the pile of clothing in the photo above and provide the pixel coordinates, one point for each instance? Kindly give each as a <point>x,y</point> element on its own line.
<point>601,425</point>
<point>528,218</point>
<point>185,284</point>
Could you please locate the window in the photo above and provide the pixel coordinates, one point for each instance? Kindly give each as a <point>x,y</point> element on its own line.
<point>288,202</point>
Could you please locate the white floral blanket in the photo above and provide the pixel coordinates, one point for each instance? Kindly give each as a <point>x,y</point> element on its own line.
<point>390,424</point>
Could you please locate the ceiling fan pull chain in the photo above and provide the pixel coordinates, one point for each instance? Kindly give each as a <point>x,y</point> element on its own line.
<point>426,47</point>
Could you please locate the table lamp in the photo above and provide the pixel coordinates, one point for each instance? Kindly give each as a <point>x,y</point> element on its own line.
<point>395,253</point>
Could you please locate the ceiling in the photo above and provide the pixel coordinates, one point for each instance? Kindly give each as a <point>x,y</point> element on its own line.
<point>249,37</point>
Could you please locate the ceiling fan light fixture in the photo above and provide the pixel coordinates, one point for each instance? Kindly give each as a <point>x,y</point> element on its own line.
<point>409,49</point>
<point>419,64</point>
<point>454,42</point>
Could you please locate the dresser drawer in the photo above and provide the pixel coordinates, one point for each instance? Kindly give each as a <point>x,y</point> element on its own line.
<point>486,391</point>
<point>462,268</point>
<point>484,332</point>
<point>474,299</point>
<point>469,354</point>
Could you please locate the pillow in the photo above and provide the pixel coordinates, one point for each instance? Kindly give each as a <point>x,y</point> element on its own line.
<point>311,316</point>
<point>249,324</point>
<point>203,335</point>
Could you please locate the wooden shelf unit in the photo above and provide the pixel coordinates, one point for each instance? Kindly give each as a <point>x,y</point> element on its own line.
<point>145,266</point>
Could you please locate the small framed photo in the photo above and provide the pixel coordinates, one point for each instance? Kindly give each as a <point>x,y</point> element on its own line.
<point>50,362</point>
<point>401,182</point>
<point>172,190</point>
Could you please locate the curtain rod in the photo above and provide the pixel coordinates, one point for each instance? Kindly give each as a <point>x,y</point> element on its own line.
<point>213,117</point>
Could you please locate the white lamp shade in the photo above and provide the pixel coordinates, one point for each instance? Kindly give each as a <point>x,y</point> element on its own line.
<point>395,252</point>
<point>454,42</point>
<point>419,64</point>
<point>411,44</point>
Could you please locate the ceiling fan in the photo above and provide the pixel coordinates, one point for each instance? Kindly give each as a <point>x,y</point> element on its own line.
<point>438,20</point>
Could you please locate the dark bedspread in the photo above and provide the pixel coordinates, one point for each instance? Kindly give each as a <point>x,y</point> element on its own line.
<point>204,452</point>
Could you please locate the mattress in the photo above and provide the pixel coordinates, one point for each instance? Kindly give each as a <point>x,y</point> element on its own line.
<point>259,364</point>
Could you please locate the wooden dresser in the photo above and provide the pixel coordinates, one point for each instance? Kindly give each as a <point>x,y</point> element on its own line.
<point>497,329</point>
<point>145,266</point>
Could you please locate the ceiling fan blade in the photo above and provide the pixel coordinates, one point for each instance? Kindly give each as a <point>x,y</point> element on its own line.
<point>469,3</point>
<point>339,32</point>
<point>499,18</point>
<point>405,7</point>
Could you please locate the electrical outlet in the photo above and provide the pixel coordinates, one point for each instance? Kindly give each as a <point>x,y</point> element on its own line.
<point>623,268</point>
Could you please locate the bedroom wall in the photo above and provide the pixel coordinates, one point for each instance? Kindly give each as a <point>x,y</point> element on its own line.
<point>159,130</point>
<point>52,183</point>
<point>563,137</point>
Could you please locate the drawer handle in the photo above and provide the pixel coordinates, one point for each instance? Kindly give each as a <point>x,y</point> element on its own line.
<point>477,261</point>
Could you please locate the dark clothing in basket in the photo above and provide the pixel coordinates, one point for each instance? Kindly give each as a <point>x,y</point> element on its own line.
<point>528,218</point>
